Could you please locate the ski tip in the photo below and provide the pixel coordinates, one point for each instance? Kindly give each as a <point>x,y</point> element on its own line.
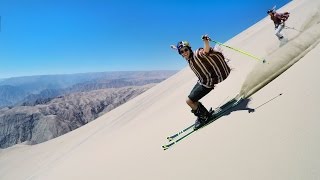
<point>164,147</point>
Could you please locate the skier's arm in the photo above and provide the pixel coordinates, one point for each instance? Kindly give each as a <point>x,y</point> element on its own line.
<point>206,46</point>
<point>281,17</point>
<point>206,40</point>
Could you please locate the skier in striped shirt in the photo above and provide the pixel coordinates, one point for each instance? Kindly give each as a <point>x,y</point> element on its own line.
<point>210,67</point>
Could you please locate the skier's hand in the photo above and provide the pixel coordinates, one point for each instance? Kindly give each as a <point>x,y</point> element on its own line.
<point>206,38</point>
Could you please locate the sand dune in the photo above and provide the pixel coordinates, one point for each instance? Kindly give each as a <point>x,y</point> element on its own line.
<point>278,140</point>
<point>281,60</point>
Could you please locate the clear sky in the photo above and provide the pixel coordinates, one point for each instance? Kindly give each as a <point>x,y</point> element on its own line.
<point>73,36</point>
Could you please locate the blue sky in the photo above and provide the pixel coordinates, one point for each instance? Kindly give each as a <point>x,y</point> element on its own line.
<point>74,36</point>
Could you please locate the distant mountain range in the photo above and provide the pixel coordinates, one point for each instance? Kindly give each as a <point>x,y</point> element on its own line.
<point>14,91</point>
<point>56,110</point>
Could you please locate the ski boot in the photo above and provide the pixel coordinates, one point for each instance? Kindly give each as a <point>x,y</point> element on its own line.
<point>203,116</point>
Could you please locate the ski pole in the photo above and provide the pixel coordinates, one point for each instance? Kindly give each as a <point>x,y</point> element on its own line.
<point>243,52</point>
<point>287,27</point>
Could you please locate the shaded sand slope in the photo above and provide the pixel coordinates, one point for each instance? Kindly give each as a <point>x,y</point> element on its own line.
<point>279,140</point>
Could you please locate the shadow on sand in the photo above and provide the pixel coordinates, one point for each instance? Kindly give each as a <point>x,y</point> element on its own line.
<point>243,106</point>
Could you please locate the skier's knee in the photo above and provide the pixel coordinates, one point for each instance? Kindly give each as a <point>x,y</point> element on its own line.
<point>191,103</point>
<point>279,35</point>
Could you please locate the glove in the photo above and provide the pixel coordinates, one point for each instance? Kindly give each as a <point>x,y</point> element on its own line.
<point>206,38</point>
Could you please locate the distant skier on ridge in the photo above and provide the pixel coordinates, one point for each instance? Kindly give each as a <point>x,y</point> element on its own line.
<point>210,67</point>
<point>278,20</point>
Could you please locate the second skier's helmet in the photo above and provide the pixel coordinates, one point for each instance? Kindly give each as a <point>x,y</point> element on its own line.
<point>270,11</point>
<point>182,44</point>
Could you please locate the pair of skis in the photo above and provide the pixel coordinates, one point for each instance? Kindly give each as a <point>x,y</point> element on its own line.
<point>219,112</point>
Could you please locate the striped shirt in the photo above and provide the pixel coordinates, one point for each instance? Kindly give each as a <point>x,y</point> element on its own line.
<point>210,68</point>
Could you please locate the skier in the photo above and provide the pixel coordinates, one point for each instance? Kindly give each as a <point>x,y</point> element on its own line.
<point>210,67</point>
<point>278,20</point>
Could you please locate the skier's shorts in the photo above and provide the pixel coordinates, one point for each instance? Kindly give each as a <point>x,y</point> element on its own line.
<point>198,92</point>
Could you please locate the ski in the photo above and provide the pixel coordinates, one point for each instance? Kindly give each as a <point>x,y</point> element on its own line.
<point>170,138</point>
<point>219,112</point>
<point>216,112</point>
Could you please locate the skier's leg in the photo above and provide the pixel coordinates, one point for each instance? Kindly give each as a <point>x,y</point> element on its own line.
<point>196,94</point>
<point>278,31</point>
<point>192,104</point>
<point>197,107</point>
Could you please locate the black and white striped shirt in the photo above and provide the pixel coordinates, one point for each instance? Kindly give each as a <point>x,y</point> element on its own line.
<point>210,68</point>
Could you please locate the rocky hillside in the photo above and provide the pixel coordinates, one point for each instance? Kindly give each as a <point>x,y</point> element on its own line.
<point>51,118</point>
<point>18,90</point>
<point>10,94</point>
<point>48,94</point>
